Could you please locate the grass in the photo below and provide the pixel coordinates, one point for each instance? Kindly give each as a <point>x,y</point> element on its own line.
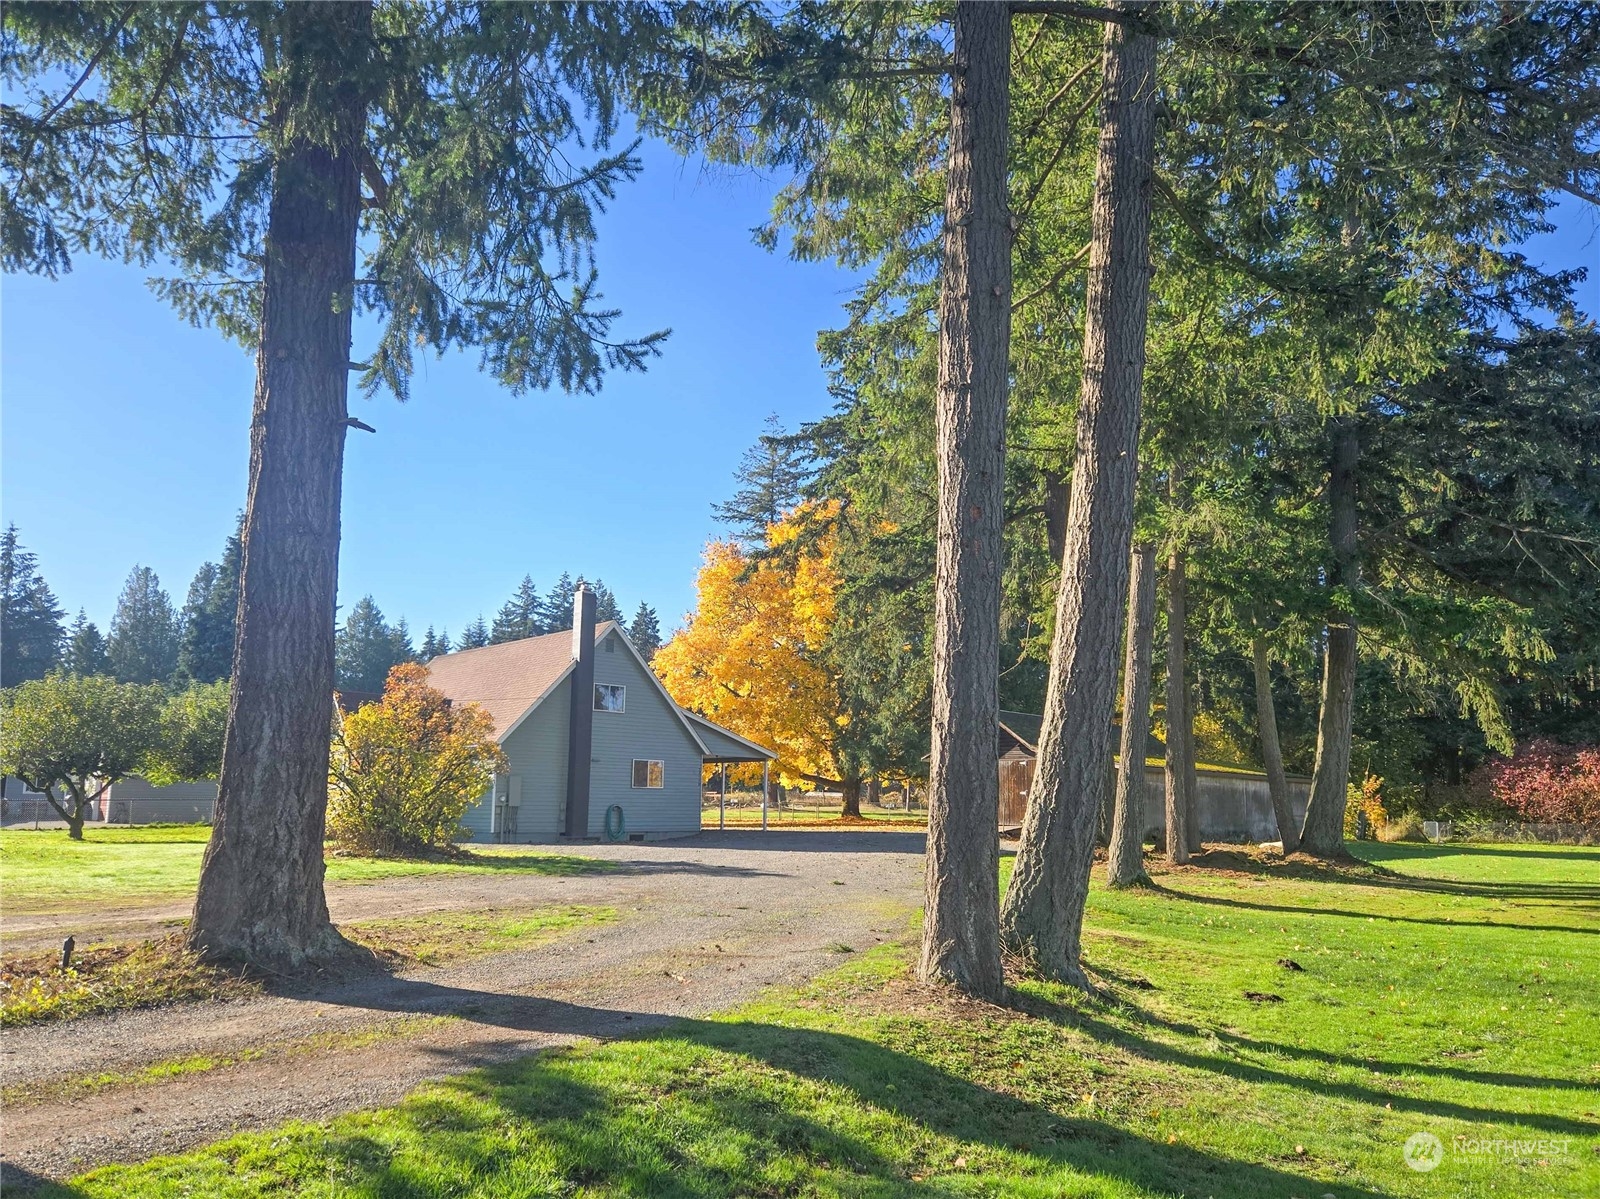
<point>1445,990</point>
<point>45,872</point>
<point>83,1086</point>
<point>122,977</point>
<point>439,938</point>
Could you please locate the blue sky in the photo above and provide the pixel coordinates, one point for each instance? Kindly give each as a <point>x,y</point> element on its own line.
<point>125,432</point>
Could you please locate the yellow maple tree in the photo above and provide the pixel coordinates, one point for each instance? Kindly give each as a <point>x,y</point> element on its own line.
<point>752,656</point>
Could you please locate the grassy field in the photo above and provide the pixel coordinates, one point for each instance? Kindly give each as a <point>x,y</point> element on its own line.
<point>1450,993</point>
<point>45,872</point>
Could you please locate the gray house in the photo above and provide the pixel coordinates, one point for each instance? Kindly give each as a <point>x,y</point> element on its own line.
<point>593,741</point>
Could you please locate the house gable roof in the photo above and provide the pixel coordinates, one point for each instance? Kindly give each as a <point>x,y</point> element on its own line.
<point>511,680</point>
<point>508,680</point>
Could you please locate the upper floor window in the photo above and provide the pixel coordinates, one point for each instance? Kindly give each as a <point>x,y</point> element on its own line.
<point>610,697</point>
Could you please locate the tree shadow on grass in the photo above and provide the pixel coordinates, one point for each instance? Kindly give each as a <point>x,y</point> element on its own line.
<point>710,1109</point>
<point>1488,1078</point>
<point>1401,850</point>
<point>1322,910</point>
<point>1160,1052</point>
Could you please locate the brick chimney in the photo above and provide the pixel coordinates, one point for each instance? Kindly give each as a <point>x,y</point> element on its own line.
<point>580,723</point>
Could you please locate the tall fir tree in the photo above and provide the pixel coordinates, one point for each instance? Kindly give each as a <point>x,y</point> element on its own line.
<point>645,631</point>
<point>521,616</point>
<point>210,616</point>
<point>30,620</point>
<point>429,649</point>
<point>85,651</point>
<point>295,164</point>
<point>771,478</point>
<point>556,610</point>
<point>475,635</point>
<point>367,647</point>
<point>143,645</point>
<point>605,604</point>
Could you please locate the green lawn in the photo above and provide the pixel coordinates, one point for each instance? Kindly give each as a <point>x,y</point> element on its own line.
<point>1454,996</point>
<point>45,872</point>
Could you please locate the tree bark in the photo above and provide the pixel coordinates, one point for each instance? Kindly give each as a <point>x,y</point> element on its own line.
<point>1125,858</point>
<point>1323,831</point>
<point>261,883</point>
<point>1179,770</point>
<point>1043,914</point>
<point>1271,750</point>
<point>960,937</point>
<point>850,792</point>
<point>1057,497</point>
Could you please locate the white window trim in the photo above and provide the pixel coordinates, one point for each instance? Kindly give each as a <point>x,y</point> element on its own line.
<point>633,774</point>
<point>622,687</point>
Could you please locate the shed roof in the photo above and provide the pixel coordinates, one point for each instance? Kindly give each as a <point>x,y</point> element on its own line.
<point>1025,729</point>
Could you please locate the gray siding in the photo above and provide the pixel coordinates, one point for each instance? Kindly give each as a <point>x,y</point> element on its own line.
<point>650,728</point>
<point>536,752</point>
<point>136,800</point>
<point>1235,808</point>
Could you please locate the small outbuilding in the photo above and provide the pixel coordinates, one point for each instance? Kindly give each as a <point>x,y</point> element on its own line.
<point>595,746</point>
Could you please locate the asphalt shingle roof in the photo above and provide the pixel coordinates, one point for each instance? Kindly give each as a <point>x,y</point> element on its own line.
<point>507,679</point>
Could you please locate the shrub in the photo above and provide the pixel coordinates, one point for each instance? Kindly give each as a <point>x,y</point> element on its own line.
<point>1545,782</point>
<point>1365,799</point>
<point>404,770</point>
<point>1405,827</point>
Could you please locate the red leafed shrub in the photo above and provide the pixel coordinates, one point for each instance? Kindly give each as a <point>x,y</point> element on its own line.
<point>1547,782</point>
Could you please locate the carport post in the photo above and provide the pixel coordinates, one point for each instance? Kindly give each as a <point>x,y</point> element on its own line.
<point>722,798</point>
<point>766,770</point>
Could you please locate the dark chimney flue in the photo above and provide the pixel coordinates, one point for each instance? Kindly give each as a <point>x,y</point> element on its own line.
<point>580,724</point>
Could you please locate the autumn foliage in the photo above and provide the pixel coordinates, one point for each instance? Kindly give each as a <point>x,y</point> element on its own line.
<point>1547,782</point>
<point>753,658</point>
<point>404,770</point>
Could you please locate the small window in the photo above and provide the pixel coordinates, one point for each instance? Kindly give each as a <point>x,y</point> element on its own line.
<point>610,697</point>
<point>611,646</point>
<point>648,774</point>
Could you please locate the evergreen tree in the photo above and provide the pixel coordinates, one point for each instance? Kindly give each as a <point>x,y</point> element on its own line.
<point>475,635</point>
<point>645,631</point>
<point>143,646</point>
<point>522,615</point>
<point>86,649</point>
<point>429,650</point>
<point>400,645</point>
<point>209,617</point>
<point>368,646</point>
<point>605,604</point>
<point>436,167</point>
<point>30,622</point>
<point>556,611</point>
<point>772,475</point>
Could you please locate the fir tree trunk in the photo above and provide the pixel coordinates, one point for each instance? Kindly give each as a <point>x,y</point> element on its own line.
<point>960,939</point>
<point>1125,858</point>
<point>1043,914</point>
<point>1178,771</point>
<point>261,884</point>
<point>1323,831</point>
<point>1271,750</point>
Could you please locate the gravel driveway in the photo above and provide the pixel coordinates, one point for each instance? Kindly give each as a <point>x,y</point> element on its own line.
<point>705,924</point>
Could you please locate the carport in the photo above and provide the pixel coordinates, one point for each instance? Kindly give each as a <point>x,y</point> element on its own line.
<point>728,749</point>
